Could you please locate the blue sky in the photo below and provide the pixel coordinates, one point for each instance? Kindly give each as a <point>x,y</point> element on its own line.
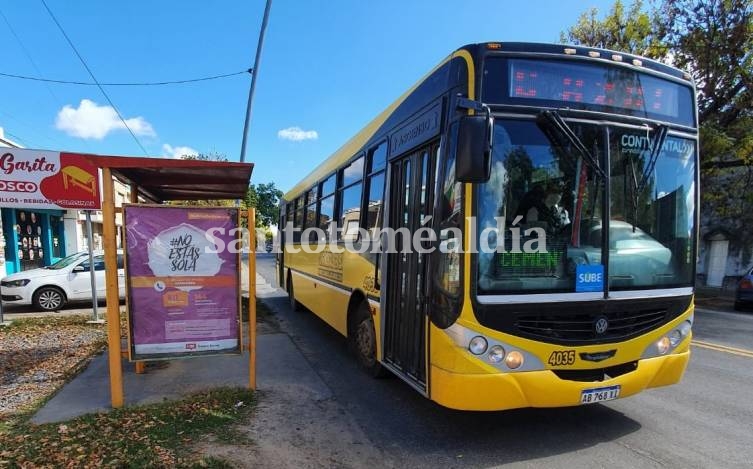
<point>328,67</point>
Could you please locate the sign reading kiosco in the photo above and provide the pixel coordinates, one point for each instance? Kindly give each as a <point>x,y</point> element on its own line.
<point>37,179</point>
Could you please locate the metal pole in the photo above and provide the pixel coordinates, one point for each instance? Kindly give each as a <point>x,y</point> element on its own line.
<point>92,274</point>
<point>254,74</point>
<point>2,322</point>
<point>2,246</point>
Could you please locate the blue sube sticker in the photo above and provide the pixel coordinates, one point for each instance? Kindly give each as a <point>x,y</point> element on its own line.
<point>589,278</point>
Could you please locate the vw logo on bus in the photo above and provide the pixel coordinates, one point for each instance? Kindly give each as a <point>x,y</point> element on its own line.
<point>601,325</point>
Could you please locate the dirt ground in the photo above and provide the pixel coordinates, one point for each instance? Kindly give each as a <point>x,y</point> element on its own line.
<point>297,427</point>
<point>290,430</point>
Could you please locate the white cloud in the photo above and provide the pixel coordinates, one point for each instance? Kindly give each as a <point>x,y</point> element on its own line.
<point>177,152</point>
<point>93,121</point>
<point>297,134</point>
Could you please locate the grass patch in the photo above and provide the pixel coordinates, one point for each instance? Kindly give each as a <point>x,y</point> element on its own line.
<point>33,324</point>
<point>158,435</point>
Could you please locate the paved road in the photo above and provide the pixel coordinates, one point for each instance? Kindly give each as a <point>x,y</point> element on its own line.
<point>706,421</point>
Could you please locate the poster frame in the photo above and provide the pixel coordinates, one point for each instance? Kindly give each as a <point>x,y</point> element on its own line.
<point>132,355</point>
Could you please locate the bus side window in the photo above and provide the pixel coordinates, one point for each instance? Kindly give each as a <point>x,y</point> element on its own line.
<point>310,214</point>
<point>289,216</point>
<point>326,206</point>
<point>375,189</point>
<point>298,223</point>
<point>351,179</point>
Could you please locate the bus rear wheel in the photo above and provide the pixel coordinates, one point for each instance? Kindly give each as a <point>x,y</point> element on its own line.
<point>363,343</point>
<point>294,305</point>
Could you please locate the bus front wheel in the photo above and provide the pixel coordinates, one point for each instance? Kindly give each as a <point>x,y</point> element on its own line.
<point>363,343</point>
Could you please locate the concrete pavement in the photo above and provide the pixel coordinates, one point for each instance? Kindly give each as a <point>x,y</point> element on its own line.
<point>280,367</point>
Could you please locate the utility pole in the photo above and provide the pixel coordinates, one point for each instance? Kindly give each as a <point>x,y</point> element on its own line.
<point>254,74</point>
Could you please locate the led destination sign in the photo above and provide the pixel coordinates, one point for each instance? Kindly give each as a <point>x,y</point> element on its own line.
<point>587,85</point>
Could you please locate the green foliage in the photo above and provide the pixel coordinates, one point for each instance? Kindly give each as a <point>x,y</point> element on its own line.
<point>713,39</point>
<point>205,203</point>
<point>266,199</point>
<point>628,30</point>
<point>214,156</point>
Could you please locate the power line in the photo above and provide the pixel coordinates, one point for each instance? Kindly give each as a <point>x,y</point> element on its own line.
<point>152,83</point>
<point>24,49</point>
<point>32,129</point>
<point>33,64</point>
<point>91,74</point>
<point>22,141</point>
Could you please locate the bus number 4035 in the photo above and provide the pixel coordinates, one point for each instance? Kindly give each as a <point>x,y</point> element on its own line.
<point>562,357</point>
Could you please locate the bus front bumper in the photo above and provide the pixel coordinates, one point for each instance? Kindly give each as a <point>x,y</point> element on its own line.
<point>500,391</point>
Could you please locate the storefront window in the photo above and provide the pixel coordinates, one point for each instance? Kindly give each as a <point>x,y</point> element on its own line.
<point>30,247</point>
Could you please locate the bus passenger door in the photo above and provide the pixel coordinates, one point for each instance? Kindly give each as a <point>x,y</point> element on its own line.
<point>411,198</point>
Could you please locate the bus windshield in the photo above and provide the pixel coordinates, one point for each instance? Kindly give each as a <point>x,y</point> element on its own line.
<point>540,216</point>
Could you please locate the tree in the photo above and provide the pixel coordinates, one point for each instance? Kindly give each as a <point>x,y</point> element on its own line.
<point>713,39</point>
<point>266,199</point>
<point>214,156</point>
<point>205,203</point>
<point>633,30</point>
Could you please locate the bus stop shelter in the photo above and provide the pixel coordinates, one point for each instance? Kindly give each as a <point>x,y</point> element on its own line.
<point>159,180</point>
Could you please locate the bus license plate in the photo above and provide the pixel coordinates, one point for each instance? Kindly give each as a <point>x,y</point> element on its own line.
<point>592,396</point>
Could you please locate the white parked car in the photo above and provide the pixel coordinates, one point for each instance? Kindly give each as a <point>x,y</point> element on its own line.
<point>50,288</point>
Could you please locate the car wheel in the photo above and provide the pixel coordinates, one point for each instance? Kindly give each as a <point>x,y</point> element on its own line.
<point>49,299</point>
<point>739,306</point>
<point>363,342</point>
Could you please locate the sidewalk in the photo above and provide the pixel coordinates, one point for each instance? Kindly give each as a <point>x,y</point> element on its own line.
<point>279,366</point>
<point>714,298</point>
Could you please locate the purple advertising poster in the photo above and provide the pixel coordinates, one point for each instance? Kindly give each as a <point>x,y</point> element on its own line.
<point>183,279</point>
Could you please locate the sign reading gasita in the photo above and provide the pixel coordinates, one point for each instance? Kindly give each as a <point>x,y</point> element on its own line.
<point>183,285</point>
<point>47,180</point>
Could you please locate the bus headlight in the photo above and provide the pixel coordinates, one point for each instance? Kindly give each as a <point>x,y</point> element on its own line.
<point>663,345</point>
<point>496,354</point>
<point>669,342</point>
<point>685,328</point>
<point>514,359</point>
<point>675,337</point>
<point>478,345</point>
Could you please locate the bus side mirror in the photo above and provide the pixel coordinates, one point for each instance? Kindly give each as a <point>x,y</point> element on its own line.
<point>473,157</point>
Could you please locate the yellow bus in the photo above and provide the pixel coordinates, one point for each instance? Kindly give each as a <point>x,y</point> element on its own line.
<point>550,196</point>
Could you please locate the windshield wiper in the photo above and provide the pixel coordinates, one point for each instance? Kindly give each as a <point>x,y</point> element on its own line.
<point>551,120</point>
<point>659,138</point>
<point>636,186</point>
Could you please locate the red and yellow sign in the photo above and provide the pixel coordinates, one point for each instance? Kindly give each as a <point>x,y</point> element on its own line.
<point>38,179</point>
